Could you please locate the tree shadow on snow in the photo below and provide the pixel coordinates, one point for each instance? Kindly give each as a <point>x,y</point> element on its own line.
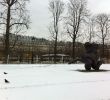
<point>83,70</point>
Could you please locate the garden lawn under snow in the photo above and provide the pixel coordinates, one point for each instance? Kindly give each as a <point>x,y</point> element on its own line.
<point>54,82</point>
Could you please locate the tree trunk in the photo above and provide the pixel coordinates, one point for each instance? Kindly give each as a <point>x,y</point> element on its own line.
<point>73,48</point>
<point>103,44</point>
<point>7,45</point>
<point>32,59</point>
<point>55,49</point>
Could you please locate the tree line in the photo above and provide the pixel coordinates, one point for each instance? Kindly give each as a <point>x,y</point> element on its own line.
<point>78,23</point>
<point>74,16</point>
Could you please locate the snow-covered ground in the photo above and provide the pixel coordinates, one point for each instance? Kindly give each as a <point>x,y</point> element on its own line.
<point>54,82</point>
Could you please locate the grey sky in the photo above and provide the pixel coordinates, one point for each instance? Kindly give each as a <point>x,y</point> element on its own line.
<point>40,16</point>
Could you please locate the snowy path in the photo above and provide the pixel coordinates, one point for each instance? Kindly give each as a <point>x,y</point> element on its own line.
<point>54,82</point>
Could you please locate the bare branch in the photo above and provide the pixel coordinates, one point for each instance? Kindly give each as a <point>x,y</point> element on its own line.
<point>2,23</point>
<point>19,24</point>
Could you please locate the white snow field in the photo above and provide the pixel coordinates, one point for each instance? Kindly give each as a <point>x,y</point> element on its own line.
<point>54,82</point>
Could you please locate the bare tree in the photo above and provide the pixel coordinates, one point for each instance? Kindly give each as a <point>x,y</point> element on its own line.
<point>77,12</point>
<point>56,7</point>
<point>13,18</point>
<point>91,29</point>
<point>103,27</point>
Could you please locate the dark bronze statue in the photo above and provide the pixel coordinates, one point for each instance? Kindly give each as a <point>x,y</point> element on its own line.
<point>90,58</point>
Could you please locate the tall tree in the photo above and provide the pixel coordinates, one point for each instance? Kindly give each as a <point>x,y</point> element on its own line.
<point>90,29</point>
<point>13,18</point>
<point>103,28</point>
<point>77,12</point>
<point>56,7</point>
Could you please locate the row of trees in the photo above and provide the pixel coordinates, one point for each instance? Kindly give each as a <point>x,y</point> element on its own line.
<point>14,18</point>
<point>78,22</point>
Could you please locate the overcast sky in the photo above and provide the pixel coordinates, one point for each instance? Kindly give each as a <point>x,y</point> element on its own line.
<point>40,16</point>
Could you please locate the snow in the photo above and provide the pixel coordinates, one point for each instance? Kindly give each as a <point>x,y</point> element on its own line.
<point>54,82</point>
